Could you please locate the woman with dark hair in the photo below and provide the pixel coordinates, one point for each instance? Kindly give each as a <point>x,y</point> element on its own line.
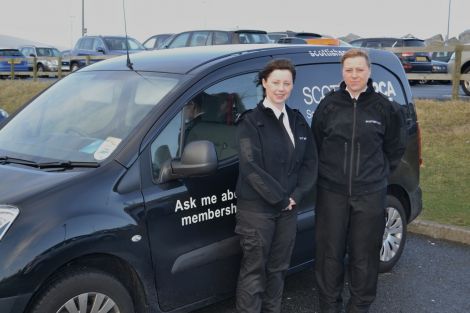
<point>278,166</point>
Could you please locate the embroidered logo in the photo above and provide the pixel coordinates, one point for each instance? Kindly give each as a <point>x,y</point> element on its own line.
<point>373,122</point>
<point>302,138</point>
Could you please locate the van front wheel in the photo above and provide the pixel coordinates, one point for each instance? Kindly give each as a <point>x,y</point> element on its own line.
<point>85,291</point>
<point>394,234</point>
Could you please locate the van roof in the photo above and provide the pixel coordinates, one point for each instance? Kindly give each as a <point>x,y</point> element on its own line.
<point>190,60</point>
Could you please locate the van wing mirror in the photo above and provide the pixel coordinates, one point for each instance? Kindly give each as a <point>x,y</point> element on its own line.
<point>199,158</point>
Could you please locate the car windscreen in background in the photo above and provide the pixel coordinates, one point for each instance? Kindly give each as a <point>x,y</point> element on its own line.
<point>414,43</point>
<point>314,81</point>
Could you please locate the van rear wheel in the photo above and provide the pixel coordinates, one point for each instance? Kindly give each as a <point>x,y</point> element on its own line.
<point>85,291</point>
<point>394,234</point>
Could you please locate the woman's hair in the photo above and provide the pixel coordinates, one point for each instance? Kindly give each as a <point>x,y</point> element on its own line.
<point>352,53</point>
<point>276,64</point>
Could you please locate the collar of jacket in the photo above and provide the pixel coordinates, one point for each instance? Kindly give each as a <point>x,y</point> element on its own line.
<point>370,89</point>
<point>270,112</point>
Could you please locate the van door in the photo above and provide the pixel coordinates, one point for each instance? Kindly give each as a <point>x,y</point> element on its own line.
<point>191,220</point>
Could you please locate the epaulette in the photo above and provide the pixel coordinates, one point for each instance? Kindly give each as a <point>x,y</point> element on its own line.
<point>240,116</point>
<point>332,91</point>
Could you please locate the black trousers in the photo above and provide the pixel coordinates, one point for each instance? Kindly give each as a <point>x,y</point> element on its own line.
<point>267,241</point>
<point>356,222</point>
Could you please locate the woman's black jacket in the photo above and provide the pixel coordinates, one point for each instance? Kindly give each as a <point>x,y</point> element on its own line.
<point>360,142</point>
<point>271,170</point>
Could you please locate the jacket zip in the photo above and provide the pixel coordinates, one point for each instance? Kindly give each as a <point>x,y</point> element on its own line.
<point>345,162</point>
<point>352,147</point>
<point>358,158</point>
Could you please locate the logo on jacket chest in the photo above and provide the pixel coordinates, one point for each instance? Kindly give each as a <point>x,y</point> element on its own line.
<point>373,122</point>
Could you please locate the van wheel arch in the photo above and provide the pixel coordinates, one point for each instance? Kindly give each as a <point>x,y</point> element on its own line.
<point>107,265</point>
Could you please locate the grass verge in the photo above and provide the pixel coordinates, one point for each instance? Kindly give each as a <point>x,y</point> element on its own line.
<point>445,176</point>
<point>14,93</point>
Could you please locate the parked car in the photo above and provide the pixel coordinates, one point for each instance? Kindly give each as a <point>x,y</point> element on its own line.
<point>99,46</point>
<point>413,62</point>
<point>320,41</point>
<point>3,115</point>
<point>9,55</point>
<point>156,41</point>
<point>464,69</point>
<point>46,58</point>
<point>216,37</point>
<point>121,195</point>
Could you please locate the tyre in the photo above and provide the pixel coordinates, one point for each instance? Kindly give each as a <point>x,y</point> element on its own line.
<point>40,68</point>
<point>74,67</point>
<point>465,84</point>
<point>84,291</point>
<point>394,235</point>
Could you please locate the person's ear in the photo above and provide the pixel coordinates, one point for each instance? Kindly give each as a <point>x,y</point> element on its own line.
<point>264,82</point>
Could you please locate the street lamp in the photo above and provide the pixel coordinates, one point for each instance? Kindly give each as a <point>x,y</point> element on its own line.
<point>448,21</point>
<point>83,18</point>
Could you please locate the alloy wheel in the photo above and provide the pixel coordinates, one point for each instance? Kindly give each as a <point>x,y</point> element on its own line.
<point>90,303</point>
<point>393,234</point>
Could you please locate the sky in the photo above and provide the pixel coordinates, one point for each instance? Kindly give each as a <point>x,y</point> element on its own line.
<point>59,22</point>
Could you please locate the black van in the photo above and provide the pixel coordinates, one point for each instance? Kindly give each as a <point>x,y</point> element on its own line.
<point>117,182</point>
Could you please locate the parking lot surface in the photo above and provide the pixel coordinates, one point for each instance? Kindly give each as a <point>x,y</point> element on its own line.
<point>432,276</point>
<point>436,92</point>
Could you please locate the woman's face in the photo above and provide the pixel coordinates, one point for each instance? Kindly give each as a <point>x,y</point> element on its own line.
<point>278,86</point>
<point>356,73</point>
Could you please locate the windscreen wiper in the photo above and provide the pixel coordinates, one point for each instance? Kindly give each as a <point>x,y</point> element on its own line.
<point>67,164</point>
<point>7,160</point>
<point>45,165</point>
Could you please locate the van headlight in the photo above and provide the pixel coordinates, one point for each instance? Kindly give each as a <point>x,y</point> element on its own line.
<point>8,214</point>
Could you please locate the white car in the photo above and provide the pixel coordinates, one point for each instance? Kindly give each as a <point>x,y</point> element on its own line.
<point>464,69</point>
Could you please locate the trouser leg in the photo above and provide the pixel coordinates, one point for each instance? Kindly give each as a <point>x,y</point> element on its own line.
<point>365,241</point>
<point>331,224</point>
<point>279,259</point>
<point>256,231</point>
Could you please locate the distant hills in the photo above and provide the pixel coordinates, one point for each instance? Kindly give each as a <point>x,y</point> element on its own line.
<point>15,42</point>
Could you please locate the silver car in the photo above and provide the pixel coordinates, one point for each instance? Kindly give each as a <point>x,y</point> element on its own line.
<point>46,57</point>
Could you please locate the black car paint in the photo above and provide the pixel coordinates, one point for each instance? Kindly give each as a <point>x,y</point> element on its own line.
<point>90,216</point>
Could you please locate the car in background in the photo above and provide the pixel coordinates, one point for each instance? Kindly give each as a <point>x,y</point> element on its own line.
<point>216,37</point>
<point>47,58</point>
<point>275,36</point>
<point>9,55</point>
<point>156,41</point>
<point>3,115</point>
<point>464,69</point>
<point>290,37</point>
<point>413,62</point>
<point>100,46</point>
<point>321,41</point>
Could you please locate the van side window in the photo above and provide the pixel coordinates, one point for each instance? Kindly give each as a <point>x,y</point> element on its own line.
<point>210,115</point>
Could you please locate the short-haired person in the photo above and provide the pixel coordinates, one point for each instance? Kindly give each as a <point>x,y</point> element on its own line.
<point>278,166</point>
<point>361,137</point>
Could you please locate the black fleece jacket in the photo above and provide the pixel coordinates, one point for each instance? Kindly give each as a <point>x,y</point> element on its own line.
<point>360,142</point>
<point>271,170</point>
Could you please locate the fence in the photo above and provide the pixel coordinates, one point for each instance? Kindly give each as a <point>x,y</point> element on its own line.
<point>62,69</point>
<point>455,77</point>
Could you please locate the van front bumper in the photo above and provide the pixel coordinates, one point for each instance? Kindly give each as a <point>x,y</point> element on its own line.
<point>15,304</point>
